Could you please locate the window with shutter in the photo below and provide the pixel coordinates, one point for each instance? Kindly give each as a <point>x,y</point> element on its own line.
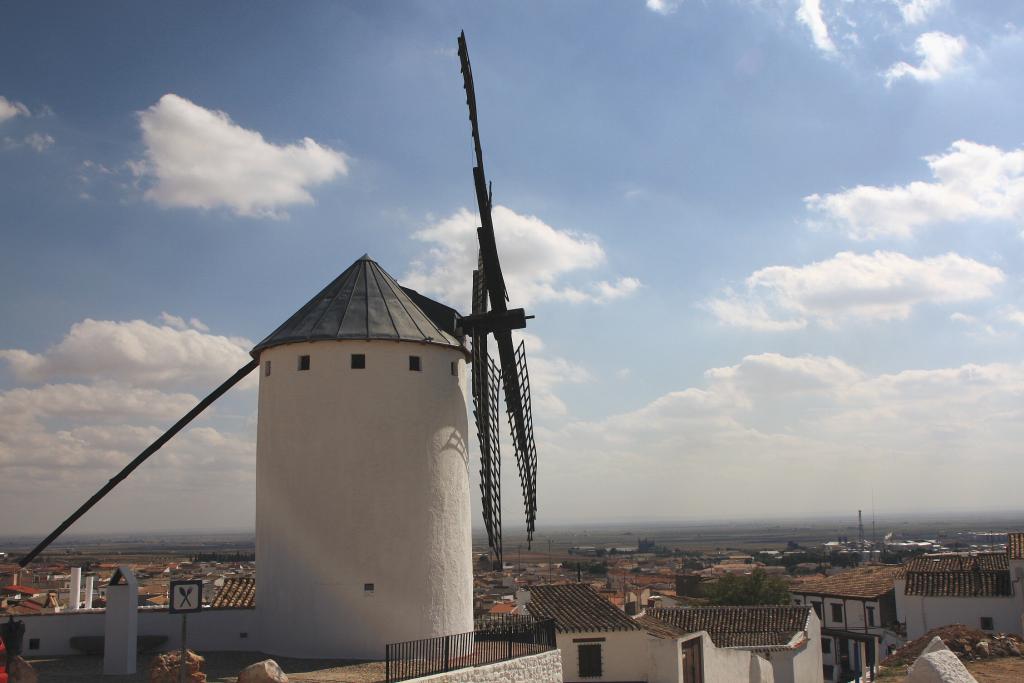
<point>590,661</point>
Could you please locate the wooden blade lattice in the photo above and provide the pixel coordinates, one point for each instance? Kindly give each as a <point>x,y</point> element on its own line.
<point>522,437</point>
<point>485,412</point>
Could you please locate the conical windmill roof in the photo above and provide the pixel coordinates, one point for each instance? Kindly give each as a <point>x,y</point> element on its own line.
<point>364,302</point>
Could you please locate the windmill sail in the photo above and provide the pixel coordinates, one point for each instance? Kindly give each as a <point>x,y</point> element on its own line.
<point>489,283</point>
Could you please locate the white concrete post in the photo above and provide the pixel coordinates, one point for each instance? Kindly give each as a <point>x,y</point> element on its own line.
<point>75,589</point>
<point>89,590</point>
<point>121,623</point>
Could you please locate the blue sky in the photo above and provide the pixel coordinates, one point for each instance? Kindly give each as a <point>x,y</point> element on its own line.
<point>770,245</point>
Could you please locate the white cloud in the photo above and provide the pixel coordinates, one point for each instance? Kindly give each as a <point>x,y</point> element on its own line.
<point>916,11</point>
<point>40,142</point>
<point>101,401</point>
<point>621,288</point>
<point>809,14</point>
<point>178,323</point>
<point>546,374</point>
<point>940,53</point>
<point>773,374</point>
<point>972,181</point>
<point>663,6</point>
<point>200,158</point>
<point>772,421</point>
<point>1014,315</point>
<point>959,317</point>
<point>66,437</point>
<point>134,352</point>
<point>878,286</point>
<point>535,257</point>
<point>9,109</point>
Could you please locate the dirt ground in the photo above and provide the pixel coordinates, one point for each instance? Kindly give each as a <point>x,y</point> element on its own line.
<point>1004,670</point>
<point>220,667</point>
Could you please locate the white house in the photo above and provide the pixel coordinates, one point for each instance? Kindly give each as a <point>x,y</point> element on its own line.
<point>597,640</point>
<point>980,590</point>
<point>858,616</point>
<point>788,637</point>
<point>685,645</point>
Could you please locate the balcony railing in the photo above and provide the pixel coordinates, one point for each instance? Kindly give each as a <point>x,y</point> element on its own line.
<point>494,639</point>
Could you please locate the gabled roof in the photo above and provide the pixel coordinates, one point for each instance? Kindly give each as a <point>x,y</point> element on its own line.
<point>863,582</point>
<point>750,627</point>
<point>577,608</point>
<point>236,592</point>
<point>958,575</point>
<point>364,302</point>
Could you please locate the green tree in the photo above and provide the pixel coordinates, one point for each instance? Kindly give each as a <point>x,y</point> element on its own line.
<point>758,588</point>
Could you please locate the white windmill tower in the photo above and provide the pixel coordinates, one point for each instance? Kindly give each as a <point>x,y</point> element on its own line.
<point>362,501</point>
<point>362,486</point>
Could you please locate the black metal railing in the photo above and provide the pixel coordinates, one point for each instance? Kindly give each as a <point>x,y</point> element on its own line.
<point>494,639</point>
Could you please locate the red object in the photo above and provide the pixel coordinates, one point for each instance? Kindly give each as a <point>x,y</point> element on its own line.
<point>3,662</point>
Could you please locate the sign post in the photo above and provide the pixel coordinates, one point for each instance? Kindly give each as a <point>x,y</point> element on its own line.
<point>186,597</point>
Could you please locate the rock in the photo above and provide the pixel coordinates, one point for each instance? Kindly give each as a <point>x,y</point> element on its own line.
<point>939,666</point>
<point>934,645</point>
<point>266,671</point>
<point>1012,648</point>
<point>21,672</point>
<point>165,669</point>
<point>983,649</point>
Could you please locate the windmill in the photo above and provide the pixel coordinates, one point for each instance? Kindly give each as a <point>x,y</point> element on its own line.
<point>362,486</point>
<point>499,321</point>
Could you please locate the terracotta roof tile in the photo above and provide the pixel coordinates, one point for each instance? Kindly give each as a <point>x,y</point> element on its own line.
<point>659,628</point>
<point>958,575</point>
<point>576,607</point>
<point>236,592</point>
<point>864,582</point>
<point>757,626</point>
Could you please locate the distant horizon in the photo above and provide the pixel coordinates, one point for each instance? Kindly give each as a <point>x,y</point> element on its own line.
<point>992,515</point>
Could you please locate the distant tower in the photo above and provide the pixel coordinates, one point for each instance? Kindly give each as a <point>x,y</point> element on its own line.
<point>362,486</point>
<point>860,528</point>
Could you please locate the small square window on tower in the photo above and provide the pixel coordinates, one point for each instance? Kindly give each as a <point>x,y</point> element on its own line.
<point>266,368</point>
<point>303,362</point>
<point>414,363</point>
<point>358,361</point>
<point>455,368</point>
<point>367,587</point>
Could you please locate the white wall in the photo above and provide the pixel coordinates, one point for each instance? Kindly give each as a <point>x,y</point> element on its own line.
<point>729,664</point>
<point>664,661</point>
<point>362,477</point>
<point>802,664</point>
<point>921,614</point>
<point>212,629</point>
<point>542,668</point>
<point>623,655</point>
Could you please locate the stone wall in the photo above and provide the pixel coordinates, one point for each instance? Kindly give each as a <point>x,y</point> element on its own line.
<point>543,668</point>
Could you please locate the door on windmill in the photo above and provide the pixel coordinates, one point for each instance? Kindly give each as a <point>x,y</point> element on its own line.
<point>186,596</point>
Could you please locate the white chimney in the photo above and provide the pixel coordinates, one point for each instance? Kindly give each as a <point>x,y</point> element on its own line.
<point>522,597</point>
<point>75,592</point>
<point>90,582</point>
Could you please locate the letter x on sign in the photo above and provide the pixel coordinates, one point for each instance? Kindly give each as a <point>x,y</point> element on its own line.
<point>186,596</point>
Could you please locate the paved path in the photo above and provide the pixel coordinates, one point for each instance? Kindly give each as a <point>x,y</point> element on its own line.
<point>220,667</point>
